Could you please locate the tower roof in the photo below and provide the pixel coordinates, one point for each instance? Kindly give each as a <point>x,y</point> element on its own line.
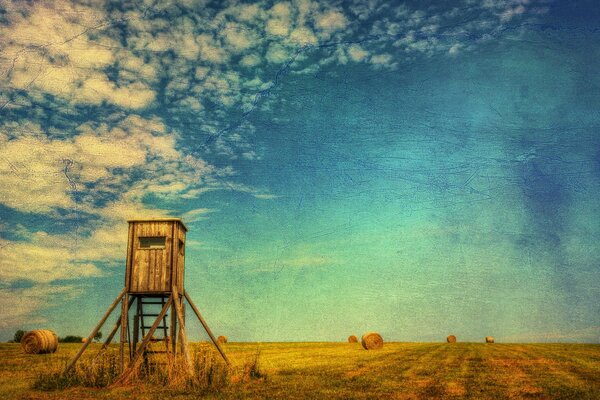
<point>158,220</point>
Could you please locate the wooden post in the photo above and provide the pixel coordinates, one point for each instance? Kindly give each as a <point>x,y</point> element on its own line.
<point>184,343</point>
<point>140,351</point>
<point>136,325</point>
<point>205,325</point>
<point>96,329</point>
<point>173,329</point>
<point>112,334</point>
<point>124,330</point>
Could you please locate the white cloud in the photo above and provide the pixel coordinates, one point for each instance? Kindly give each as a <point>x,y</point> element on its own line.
<point>277,54</point>
<point>331,21</point>
<point>455,49</point>
<point>382,59</point>
<point>196,214</point>
<point>303,35</point>
<point>239,39</point>
<point>277,27</point>
<point>51,52</point>
<point>508,14</point>
<point>42,262</point>
<point>357,53</point>
<point>201,72</point>
<point>210,50</point>
<point>250,60</point>
<point>22,307</point>
<point>38,174</point>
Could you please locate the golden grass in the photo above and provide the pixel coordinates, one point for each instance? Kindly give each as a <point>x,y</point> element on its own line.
<point>343,371</point>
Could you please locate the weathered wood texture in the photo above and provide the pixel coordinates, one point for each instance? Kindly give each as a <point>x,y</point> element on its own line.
<point>181,318</point>
<point>124,329</point>
<point>113,332</point>
<point>179,256</point>
<point>155,268</point>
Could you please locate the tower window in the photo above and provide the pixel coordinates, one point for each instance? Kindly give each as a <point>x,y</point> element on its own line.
<point>153,242</point>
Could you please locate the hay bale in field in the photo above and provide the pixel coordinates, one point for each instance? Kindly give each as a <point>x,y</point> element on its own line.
<point>222,339</point>
<point>451,339</point>
<point>40,341</point>
<point>352,339</point>
<point>372,341</point>
<point>83,340</point>
<point>489,339</point>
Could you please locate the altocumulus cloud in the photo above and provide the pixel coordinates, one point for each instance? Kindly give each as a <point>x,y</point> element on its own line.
<point>99,97</point>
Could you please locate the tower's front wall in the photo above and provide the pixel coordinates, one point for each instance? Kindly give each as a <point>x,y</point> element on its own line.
<point>149,255</point>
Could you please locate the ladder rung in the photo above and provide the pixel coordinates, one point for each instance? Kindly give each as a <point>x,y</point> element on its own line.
<point>155,351</point>
<point>150,315</point>
<point>153,302</point>
<point>157,328</point>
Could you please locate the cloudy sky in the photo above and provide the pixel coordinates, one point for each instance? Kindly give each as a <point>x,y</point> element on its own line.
<point>416,168</point>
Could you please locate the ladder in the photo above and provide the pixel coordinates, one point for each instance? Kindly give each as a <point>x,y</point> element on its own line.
<point>144,317</point>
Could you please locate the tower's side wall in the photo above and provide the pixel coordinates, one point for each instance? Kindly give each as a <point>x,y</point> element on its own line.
<point>179,257</point>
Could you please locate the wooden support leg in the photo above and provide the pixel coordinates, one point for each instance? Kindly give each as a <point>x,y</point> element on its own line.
<point>137,358</point>
<point>205,325</point>
<point>180,318</point>
<point>124,330</point>
<point>96,329</point>
<point>136,325</point>
<point>112,334</point>
<point>173,330</point>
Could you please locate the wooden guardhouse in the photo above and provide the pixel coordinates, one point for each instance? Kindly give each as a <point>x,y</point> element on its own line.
<point>154,281</point>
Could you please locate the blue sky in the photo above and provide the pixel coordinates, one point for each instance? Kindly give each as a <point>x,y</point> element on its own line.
<point>414,168</point>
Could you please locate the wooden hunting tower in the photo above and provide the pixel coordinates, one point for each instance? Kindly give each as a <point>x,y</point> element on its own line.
<point>155,256</point>
<point>154,278</point>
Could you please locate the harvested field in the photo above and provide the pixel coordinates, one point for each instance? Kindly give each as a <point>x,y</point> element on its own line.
<point>339,371</point>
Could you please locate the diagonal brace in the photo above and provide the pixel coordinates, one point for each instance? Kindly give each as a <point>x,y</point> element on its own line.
<point>205,325</point>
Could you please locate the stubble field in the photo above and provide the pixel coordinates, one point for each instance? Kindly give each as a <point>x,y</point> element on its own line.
<point>346,371</point>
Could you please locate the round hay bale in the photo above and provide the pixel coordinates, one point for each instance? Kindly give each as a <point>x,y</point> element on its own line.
<point>372,341</point>
<point>451,339</point>
<point>489,339</point>
<point>39,342</point>
<point>352,339</point>
<point>222,339</point>
<point>83,339</point>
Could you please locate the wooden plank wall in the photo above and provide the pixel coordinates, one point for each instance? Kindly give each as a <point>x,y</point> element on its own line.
<point>130,242</point>
<point>151,268</point>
